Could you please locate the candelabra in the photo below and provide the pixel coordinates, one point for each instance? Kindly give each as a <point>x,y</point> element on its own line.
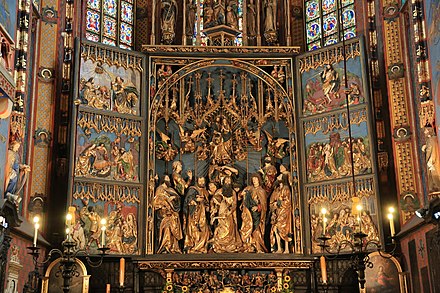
<point>67,268</point>
<point>359,250</point>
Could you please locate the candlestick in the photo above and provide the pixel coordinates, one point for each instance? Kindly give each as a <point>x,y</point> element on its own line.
<point>107,288</point>
<point>391,218</point>
<point>121,271</point>
<point>323,269</point>
<point>323,212</point>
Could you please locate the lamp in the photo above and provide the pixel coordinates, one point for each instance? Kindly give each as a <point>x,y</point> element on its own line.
<point>421,213</point>
<point>68,254</point>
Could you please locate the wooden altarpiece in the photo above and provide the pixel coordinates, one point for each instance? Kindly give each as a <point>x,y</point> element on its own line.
<point>148,126</point>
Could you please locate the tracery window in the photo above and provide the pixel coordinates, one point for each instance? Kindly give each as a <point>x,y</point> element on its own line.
<point>322,26</point>
<point>110,22</point>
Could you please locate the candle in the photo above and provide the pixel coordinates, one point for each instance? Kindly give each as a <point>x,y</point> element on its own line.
<point>107,288</point>
<point>324,220</point>
<point>103,227</point>
<point>69,219</point>
<point>121,271</point>
<point>36,227</point>
<point>359,209</point>
<point>323,269</point>
<point>391,218</point>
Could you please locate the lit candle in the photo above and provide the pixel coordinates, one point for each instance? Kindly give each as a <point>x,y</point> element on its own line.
<point>323,269</point>
<point>359,209</point>
<point>324,220</point>
<point>103,227</point>
<point>37,226</point>
<point>121,271</point>
<point>391,218</point>
<point>69,220</point>
<point>107,288</point>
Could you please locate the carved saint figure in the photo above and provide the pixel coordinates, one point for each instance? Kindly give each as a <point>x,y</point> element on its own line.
<point>180,184</point>
<point>226,237</point>
<point>93,222</point>
<point>281,215</point>
<point>269,173</point>
<point>432,160</point>
<point>254,209</point>
<point>125,96</point>
<point>330,83</point>
<point>251,18</point>
<point>191,9</point>
<point>15,173</point>
<point>195,211</point>
<point>166,202</point>
<point>231,15</point>
<point>270,22</point>
<point>168,19</point>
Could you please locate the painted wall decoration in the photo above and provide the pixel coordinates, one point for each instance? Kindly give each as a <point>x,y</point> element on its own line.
<point>4,129</point>
<point>107,157</point>
<point>339,169</point>
<point>8,16</point>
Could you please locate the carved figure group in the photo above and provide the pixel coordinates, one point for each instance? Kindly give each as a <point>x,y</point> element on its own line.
<point>121,96</point>
<point>329,160</point>
<point>221,216</point>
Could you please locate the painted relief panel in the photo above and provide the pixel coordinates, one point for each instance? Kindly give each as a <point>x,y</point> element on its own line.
<point>338,162</point>
<point>327,144</point>
<point>108,150</point>
<point>118,205</point>
<point>107,147</point>
<point>223,129</point>
<point>322,86</point>
<point>110,87</point>
<point>8,16</point>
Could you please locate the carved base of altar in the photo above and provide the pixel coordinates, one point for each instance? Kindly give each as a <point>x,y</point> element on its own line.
<point>229,272</point>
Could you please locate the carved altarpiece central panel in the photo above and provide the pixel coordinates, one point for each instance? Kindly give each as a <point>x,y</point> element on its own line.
<point>223,119</point>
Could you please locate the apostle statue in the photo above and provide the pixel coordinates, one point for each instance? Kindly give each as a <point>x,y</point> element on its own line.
<point>166,202</point>
<point>180,184</point>
<point>226,237</point>
<point>281,215</point>
<point>16,174</point>
<point>195,217</point>
<point>254,208</point>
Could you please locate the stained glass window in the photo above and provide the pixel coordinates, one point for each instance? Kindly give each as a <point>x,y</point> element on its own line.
<point>110,22</point>
<point>322,22</point>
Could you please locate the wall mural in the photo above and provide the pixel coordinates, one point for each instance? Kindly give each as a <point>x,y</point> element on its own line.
<point>108,150</point>
<point>331,155</point>
<point>222,137</point>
